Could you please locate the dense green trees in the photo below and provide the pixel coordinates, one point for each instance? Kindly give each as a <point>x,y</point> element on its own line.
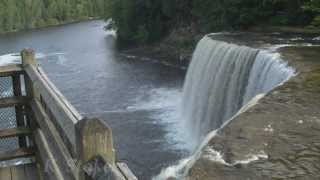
<point>26,14</point>
<point>145,21</point>
<point>148,20</point>
<point>142,21</point>
<point>314,8</point>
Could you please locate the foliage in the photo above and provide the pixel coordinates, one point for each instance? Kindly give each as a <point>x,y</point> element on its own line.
<point>146,21</point>
<point>25,14</point>
<point>141,20</point>
<point>314,8</point>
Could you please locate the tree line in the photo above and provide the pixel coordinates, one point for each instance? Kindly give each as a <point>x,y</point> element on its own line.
<point>26,14</point>
<point>145,21</point>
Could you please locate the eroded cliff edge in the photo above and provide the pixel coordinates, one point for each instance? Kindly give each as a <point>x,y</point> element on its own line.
<point>278,138</point>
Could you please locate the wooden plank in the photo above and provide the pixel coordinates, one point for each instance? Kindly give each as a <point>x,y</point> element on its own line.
<point>68,105</point>
<point>16,82</point>
<point>18,153</point>
<point>31,172</point>
<point>54,140</point>
<point>94,138</point>
<point>13,101</point>
<point>13,132</point>
<point>18,173</point>
<point>5,173</point>
<point>63,118</point>
<point>123,167</point>
<point>28,57</point>
<point>10,70</point>
<point>47,89</point>
<point>48,158</point>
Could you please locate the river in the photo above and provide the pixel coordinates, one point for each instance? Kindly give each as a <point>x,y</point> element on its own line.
<point>138,99</point>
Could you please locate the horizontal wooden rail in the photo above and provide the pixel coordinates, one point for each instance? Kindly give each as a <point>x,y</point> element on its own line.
<point>15,132</point>
<point>62,114</point>
<point>51,139</point>
<point>52,164</point>
<point>13,101</point>
<point>123,167</point>
<point>10,70</point>
<point>49,92</point>
<point>18,153</point>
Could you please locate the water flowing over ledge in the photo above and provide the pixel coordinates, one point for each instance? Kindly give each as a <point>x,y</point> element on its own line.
<point>223,80</point>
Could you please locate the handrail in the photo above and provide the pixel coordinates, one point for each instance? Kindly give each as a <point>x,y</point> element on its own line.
<point>9,70</point>
<point>18,101</point>
<point>66,141</point>
<point>66,103</point>
<point>55,107</point>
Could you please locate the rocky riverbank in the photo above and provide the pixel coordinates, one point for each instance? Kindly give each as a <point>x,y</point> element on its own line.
<point>176,49</point>
<point>279,137</point>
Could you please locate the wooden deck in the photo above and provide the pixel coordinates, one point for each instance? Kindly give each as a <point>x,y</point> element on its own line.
<point>22,172</point>
<point>64,145</point>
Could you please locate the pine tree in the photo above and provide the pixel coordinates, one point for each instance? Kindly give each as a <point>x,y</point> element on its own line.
<point>26,14</point>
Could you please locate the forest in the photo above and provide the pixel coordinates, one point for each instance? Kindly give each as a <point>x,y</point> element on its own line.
<point>146,21</point>
<point>28,14</point>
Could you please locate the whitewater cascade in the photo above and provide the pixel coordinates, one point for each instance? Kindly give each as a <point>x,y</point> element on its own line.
<point>221,79</point>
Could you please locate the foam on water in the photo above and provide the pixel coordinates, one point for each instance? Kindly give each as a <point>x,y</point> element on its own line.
<point>181,168</point>
<point>15,58</point>
<point>160,98</point>
<point>316,38</point>
<point>165,102</point>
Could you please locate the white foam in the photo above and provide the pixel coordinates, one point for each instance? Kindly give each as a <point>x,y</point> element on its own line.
<point>180,170</point>
<point>223,33</point>
<point>161,98</point>
<point>166,104</point>
<point>316,38</point>
<point>216,156</point>
<point>15,58</point>
<point>275,48</point>
<point>251,158</point>
<point>269,129</point>
<point>10,59</point>
<point>296,39</point>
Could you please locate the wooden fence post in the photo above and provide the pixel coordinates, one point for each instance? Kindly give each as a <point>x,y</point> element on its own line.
<point>28,57</point>
<point>17,91</point>
<point>94,138</point>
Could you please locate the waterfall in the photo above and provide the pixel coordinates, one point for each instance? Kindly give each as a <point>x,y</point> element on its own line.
<point>222,78</point>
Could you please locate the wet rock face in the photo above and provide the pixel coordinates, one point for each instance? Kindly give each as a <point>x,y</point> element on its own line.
<point>279,138</point>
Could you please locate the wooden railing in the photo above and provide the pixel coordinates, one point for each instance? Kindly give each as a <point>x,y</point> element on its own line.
<point>65,144</point>
<point>19,103</point>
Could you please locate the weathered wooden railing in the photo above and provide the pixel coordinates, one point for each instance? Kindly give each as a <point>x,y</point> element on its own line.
<point>66,145</point>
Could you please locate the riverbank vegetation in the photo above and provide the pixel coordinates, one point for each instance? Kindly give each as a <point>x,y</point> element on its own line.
<point>18,15</point>
<point>146,21</point>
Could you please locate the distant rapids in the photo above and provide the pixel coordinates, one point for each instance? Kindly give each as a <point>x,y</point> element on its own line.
<point>221,79</point>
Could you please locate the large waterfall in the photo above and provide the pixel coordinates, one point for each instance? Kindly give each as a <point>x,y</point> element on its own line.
<point>221,79</point>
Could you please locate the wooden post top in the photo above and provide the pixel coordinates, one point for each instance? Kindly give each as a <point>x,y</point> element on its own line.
<point>28,57</point>
<point>94,138</point>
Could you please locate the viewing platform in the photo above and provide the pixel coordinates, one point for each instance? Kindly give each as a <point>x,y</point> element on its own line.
<point>44,137</point>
